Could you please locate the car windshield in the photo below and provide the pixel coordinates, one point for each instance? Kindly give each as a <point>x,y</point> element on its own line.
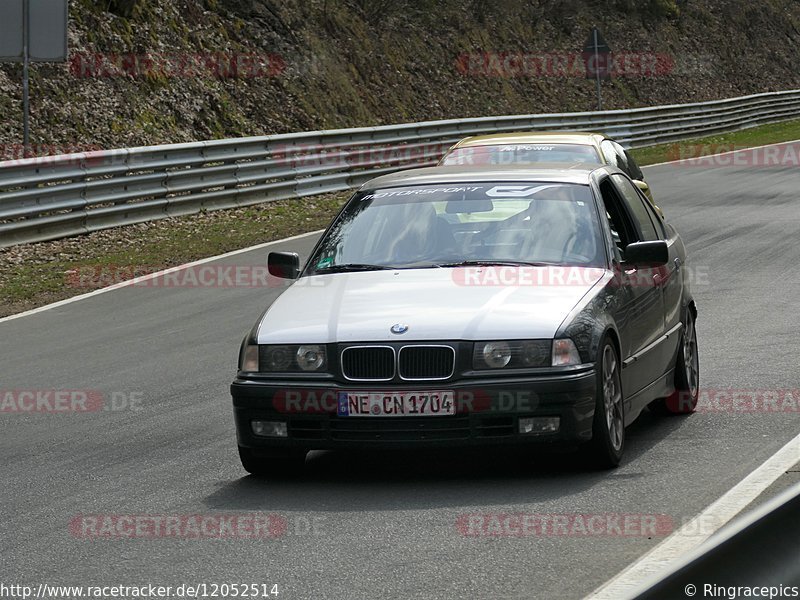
<point>448,225</point>
<point>508,154</point>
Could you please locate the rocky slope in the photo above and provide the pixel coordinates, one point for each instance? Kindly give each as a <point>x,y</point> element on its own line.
<point>163,71</point>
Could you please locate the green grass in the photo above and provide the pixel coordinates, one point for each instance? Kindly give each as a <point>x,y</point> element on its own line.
<point>746,138</point>
<point>36,274</point>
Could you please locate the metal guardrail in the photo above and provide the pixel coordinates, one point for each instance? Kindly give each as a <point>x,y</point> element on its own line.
<point>53,197</point>
<point>759,550</point>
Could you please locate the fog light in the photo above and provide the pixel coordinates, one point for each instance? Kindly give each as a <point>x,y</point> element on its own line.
<point>539,425</point>
<point>270,428</point>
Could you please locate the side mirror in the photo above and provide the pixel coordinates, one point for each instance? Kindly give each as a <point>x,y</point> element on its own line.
<point>647,254</point>
<point>285,265</point>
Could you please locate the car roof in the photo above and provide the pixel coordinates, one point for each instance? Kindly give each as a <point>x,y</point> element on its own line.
<point>533,137</point>
<point>578,173</point>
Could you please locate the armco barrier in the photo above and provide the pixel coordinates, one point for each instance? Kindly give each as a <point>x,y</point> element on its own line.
<point>52,197</point>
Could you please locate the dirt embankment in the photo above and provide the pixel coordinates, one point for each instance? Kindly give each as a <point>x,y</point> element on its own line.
<point>163,71</point>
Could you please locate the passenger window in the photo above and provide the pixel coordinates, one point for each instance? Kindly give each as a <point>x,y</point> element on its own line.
<point>637,208</point>
<point>609,153</point>
<point>622,230</point>
<point>622,158</point>
<point>633,169</point>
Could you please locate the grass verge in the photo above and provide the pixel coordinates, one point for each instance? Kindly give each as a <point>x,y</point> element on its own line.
<point>33,275</point>
<point>737,140</point>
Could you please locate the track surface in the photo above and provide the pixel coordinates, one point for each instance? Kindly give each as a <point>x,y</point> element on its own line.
<point>383,525</point>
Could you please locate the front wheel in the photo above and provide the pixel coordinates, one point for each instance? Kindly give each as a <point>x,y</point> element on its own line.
<point>608,428</point>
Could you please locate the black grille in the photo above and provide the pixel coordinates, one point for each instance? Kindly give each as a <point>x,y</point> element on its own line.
<point>310,429</point>
<point>371,363</point>
<point>395,429</point>
<point>496,427</point>
<point>400,430</point>
<point>426,362</point>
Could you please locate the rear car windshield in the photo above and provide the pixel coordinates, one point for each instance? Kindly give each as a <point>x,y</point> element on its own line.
<point>509,154</point>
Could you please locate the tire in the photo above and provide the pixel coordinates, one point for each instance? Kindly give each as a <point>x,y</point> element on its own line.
<point>608,428</point>
<point>272,463</point>
<point>683,400</point>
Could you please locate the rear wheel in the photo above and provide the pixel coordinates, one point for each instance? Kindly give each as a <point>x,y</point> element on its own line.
<point>272,463</point>
<point>687,376</point>
<point>608,428</point>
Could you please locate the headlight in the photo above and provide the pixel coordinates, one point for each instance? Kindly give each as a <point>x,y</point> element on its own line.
<point>249,359</point>
<point>277,358</point>
<point>496,355</point>
<point>512,354</point>
<point>565,353</point>
<point>534,354</point>
<point>311,358</point>
<point>306,358</point>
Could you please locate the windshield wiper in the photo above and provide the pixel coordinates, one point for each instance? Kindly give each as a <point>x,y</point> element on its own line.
<point>352,267</point>
<point>496,263</point>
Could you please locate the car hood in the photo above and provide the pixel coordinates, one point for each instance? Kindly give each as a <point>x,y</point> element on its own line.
<point>475,303</point>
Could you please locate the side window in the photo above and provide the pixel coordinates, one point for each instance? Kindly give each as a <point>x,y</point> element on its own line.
<point>616,155</point>
<point>654,217</point>
<point>622,158</point>
<point>622,230</point>
<point>637,208</point>
<point>609,153</point>
<point>634,171</point>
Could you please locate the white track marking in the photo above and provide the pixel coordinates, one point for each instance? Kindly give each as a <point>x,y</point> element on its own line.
<point>699,529</point>
<point>130,282</point>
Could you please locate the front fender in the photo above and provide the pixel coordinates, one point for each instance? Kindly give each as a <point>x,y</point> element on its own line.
<point>589,321</point>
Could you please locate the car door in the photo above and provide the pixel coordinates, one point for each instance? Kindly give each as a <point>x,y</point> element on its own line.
<point>671,278</point>
<point>667,279</point>
<point>641,312</point>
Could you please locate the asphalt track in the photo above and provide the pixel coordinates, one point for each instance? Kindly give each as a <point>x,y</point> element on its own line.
<point>380,525</point>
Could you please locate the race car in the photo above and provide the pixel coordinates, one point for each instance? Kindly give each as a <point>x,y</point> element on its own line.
<point>554,314</point>
<point>547,147</point>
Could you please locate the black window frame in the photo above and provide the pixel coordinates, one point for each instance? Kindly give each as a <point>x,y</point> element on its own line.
<point>619,213</point>
<point>658,231</point>
<point>633,167</point>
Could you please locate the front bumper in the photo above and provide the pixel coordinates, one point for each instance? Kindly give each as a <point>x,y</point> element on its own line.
<point>487,413</point>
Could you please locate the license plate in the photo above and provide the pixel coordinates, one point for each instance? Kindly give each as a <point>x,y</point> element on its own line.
<point>396,404</point>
